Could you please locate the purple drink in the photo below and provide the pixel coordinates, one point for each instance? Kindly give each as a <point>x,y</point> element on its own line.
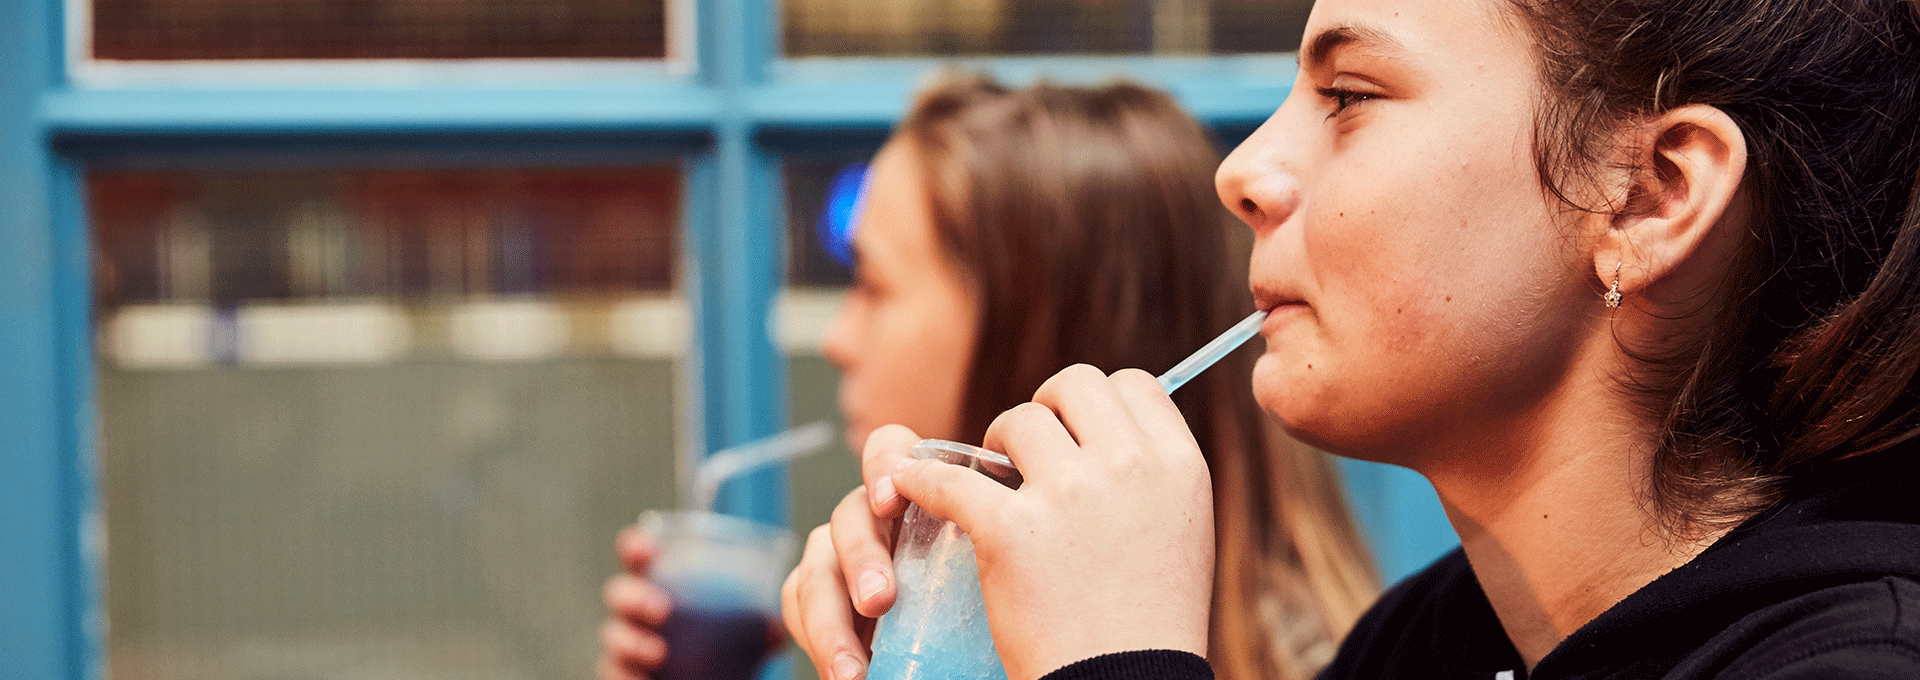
<point>714,645</point>
<point>724,575</point>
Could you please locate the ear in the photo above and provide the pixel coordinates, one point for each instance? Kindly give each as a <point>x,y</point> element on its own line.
<point>1691,161</point>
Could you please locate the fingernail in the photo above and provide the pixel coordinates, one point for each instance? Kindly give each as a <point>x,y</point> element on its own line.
<point>902,465</point>
<point>846,667</point>
<point>883,491</point>
<point>870,584</point>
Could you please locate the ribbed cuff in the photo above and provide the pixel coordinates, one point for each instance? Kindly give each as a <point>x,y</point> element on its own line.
<point>1148,664</point>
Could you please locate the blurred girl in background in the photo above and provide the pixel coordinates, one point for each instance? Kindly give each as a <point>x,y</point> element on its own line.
<point>1006,234</point>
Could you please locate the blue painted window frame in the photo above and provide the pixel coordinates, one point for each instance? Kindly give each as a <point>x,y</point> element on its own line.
<point>728,123</point>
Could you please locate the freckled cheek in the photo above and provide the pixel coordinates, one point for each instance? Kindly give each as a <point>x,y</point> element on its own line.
<point>1376,291</point>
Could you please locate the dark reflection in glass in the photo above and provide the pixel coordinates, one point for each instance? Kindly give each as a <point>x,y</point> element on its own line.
<point>231,237</point>
<point>377,29</point>
<point>1094,27</point>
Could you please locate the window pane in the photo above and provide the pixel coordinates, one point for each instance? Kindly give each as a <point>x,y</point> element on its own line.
<point>979,27</point>
<point>378,423</point>
<point>377,29</point>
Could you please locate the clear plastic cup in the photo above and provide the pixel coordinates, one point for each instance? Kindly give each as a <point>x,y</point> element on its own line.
<point>937,628</point>
<point>724,575</point>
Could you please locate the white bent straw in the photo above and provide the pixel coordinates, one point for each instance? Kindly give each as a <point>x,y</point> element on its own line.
<point>727,463</point>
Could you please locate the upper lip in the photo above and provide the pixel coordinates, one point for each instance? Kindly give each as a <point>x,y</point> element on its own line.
<point>1267,299</point>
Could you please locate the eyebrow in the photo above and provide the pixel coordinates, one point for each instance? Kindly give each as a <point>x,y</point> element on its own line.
<point>1324,43</point>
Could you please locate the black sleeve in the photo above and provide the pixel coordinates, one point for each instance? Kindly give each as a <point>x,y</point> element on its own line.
<point>1151,664</point>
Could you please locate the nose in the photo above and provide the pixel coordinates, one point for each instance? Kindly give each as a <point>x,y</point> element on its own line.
<point>838,346</point>
<point>1255,183</point>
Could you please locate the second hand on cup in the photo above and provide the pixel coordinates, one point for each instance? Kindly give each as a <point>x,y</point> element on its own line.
<point>1212,352</point>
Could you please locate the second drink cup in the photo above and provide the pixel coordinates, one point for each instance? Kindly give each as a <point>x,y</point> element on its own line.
<point>937,627</point>
<point>724,574</point>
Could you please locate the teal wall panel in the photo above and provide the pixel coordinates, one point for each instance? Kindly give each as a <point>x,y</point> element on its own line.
<point>44,371</point>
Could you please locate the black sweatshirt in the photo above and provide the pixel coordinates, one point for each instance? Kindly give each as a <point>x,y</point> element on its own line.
<point>1826,584</point>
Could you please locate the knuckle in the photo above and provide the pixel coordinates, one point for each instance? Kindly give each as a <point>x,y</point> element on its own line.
<point>1022,417</point>
<point>1083,371</point>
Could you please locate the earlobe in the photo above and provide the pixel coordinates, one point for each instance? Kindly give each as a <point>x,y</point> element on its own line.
<point>1688,163</point>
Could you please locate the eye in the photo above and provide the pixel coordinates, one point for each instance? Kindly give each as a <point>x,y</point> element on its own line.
<point>1343,98</point>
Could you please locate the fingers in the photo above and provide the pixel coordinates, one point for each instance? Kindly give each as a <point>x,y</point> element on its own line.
<point>814,605</point>
<point>636,599</point>
<point>628,651</point>
<point>1030,434</point>
<point>1090,407</point>
<point>864,544</point>
<point>630,647</point>
<point>635,550</point>
<point>963,496</point>
<point>1153,411</point>
<point>885,449</point>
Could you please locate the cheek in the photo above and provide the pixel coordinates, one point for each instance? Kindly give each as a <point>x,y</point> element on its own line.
<point>911,370</point>
<point>937,366</point>
<point>1437,251</point>
<point>1427,293</point>
<point>1378,282</point>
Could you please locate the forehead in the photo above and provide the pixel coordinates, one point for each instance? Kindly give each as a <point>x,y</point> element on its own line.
<point>1427,30</point>
<point>895,223</point>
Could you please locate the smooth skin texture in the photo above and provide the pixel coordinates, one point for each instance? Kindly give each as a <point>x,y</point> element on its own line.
<point>903,343</point>
<point>1433,307</point>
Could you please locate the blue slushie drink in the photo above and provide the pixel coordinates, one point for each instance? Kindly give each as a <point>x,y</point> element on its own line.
<point>937,628</point>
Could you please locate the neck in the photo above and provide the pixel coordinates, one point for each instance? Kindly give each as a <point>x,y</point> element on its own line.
<point>1553,520</point>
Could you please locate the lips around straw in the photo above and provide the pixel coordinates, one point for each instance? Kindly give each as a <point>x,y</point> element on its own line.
<point>1212,352</point>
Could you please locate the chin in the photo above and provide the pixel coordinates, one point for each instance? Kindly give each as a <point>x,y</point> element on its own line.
<point>856,434</point>
<point>1304,415</point>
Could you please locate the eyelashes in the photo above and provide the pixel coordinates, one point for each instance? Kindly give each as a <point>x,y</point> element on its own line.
<point>1343,98</point>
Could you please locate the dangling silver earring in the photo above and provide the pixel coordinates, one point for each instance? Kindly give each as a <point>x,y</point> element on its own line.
<point>1613,292</point>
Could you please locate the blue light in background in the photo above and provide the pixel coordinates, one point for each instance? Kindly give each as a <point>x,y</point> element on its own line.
<point>845,195</point>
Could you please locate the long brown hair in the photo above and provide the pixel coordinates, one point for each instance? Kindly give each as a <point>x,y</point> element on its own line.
<point>1815,348</point>
<point>1086,223</point>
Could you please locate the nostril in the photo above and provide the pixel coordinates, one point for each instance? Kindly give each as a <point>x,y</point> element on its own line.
<point>1250,208</point>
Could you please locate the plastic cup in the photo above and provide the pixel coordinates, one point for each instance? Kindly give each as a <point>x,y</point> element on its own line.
<point>724,574</point>
<point>937,628</point>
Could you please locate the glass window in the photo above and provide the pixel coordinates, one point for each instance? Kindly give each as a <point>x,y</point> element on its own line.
<point>378,423</point>
<point>377,29</point>
<point>984,27</point>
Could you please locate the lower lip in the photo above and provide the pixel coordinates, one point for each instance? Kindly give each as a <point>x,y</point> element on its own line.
<point>1277,315</point>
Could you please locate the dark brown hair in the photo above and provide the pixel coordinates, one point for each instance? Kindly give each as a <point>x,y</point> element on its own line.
<point>1813,352</point>
<point>1086,223</point>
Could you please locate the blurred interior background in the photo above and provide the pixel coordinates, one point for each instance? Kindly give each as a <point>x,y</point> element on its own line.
<point>398,309</point>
